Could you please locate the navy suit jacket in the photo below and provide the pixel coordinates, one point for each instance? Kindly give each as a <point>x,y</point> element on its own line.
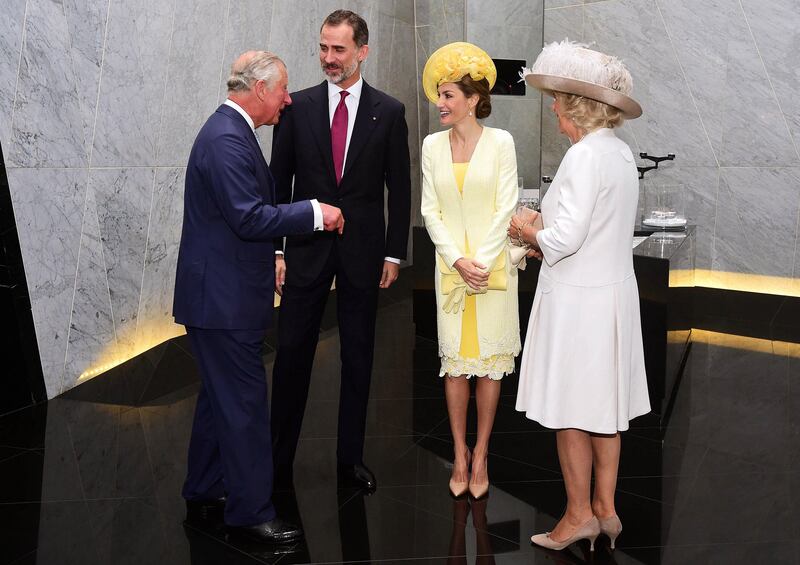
<point>226,264</point>
<point>377,157</point>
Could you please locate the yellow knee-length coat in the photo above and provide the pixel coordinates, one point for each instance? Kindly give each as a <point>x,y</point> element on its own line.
<point>481,212</point>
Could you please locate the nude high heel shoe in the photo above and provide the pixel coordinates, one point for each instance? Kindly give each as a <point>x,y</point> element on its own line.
<point>611,527</point>
<point>589,530</point>
<point>479,491</point>
<point>459,488</point>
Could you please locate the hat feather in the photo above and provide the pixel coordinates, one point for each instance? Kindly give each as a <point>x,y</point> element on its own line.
<point>575,60</point>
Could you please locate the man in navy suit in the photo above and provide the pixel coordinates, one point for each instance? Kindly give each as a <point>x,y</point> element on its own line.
<point>224,292</point>
<point>343,142</point>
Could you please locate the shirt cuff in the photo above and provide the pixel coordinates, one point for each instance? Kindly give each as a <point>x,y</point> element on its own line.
<point>278,252</point>
<point>392,260</point>
<point>318,224</point>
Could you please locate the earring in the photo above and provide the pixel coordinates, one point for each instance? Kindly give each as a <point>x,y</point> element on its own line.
<point>470,112</point>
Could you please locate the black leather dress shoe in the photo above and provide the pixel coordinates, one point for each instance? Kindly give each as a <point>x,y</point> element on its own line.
<point>357,476</point>
<point>209,510</point>
<point>274,531</point>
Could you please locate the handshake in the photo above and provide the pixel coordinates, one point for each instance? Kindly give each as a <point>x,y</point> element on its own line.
<point>332,218</point>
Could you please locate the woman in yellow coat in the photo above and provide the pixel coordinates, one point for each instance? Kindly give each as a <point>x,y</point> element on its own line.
<point>469,193</point>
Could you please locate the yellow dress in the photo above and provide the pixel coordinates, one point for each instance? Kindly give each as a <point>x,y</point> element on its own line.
<point>469,360</point>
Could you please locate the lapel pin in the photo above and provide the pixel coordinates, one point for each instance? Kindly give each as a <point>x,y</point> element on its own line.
<point>374,118</point>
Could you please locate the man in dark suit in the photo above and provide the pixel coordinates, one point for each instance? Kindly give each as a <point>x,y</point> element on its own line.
<point>342,141</point>
<point>224,294</point>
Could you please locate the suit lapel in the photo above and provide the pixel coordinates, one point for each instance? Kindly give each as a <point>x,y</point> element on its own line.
<point>321,126</point>
<point>366,119</point>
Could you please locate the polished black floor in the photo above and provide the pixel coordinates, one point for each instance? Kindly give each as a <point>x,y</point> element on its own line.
<point>94,477</point>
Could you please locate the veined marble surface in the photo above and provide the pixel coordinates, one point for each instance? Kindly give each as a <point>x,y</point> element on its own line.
<point>134,85</point>
<point>124,199</point>
<point>11,26</point>
<point>48,120</point>
<point>91,327</point>
<point>756,224</point>
<point>776,32</point>
<point>193,77</point>
<point>49,206</point>
<point>729,82</point>
<point>163,239</point>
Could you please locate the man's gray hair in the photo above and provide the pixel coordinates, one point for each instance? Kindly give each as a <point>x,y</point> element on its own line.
<point>263,65</point>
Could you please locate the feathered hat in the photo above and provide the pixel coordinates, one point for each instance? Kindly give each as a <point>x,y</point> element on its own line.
<point>571,67</point>
<point>451,62</point>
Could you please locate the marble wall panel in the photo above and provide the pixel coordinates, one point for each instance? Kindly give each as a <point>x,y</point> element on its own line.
<point>403,85</point>
<point>247,26</point>
<point>403,10</point>
<point>439,22</point>
<point>757,235</point>
<point>193,76</point>
<point>523,13</point>
<point>49,205</point>
<point>422,38</point>
<point>91,327</point>
<point>86,22</point>
<point>47,121</point>
<point>563,23</point>
<point>11,26</point>
<point>513,30</point>
<point>377,68</point>
<point>133,85</point>
<point>634,31</point>
<point>123,207</point>
<point>295,37</point>
<point>777,35</point>
<point>520,117</point>
<point>507,42</point>
<point>446,18</point>
<point>558,24</point>
<point>555,4</point>
<point>729,82</point>
<point>155,320</point>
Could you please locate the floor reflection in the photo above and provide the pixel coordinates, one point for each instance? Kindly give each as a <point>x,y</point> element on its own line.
<point>94,477</point>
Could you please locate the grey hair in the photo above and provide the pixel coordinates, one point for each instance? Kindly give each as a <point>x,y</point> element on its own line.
<point>263,65</point>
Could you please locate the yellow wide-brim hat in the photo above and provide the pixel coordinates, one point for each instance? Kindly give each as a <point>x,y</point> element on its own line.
<point>571,67</point>
<point>451,62</point>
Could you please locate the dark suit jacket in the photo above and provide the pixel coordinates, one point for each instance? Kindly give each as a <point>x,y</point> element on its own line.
<point>377,156</point>
<point>226,263</point>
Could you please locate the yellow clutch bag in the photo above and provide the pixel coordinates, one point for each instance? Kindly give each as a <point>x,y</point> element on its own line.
<point>451,278</point>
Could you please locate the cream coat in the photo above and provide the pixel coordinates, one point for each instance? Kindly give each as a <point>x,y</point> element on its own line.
<point>583,363</point>
<point>482,213</point>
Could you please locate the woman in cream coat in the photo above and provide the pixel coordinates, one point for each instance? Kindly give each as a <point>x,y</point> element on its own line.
<point>469,193</point>
<point>582,369</point>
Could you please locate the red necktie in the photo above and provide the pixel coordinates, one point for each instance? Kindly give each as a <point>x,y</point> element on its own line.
<point>339,136</point>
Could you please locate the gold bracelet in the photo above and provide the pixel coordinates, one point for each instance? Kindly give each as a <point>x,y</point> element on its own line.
<point>520,239</point>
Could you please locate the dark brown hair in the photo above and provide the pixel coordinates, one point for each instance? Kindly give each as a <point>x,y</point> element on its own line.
<point>469,86</point>
<point>356,22</point>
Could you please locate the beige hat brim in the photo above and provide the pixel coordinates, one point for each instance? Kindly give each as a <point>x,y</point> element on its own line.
<point>629,107</point>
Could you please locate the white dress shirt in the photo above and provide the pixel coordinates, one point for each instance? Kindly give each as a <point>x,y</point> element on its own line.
<point>351,102</point>
<point>318,223</point>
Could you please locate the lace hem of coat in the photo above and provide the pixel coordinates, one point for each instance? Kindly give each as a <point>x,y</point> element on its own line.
<point>507,346</point>
<point>495,367</point>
